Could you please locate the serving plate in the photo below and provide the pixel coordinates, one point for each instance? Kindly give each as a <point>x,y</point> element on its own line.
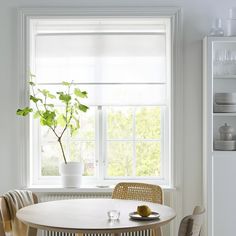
<point>135,216</point>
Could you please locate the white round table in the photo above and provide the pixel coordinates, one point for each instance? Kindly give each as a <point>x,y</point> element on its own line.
<point>90,216</point>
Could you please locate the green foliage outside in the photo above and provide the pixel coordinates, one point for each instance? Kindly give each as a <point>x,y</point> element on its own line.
<point>141,127</point>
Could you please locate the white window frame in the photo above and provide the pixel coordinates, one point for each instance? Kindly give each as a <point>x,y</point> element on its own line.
<point>174,14</point>
<point>101,177</point>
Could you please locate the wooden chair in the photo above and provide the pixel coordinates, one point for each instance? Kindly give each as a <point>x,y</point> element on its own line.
<point>5,216</point>
<point>191,225</point>
<point>140,192</point>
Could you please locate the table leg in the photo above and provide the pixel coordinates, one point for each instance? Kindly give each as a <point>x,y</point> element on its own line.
<point>156,231</point>
<point>116,234</point>
<point>32,231</point>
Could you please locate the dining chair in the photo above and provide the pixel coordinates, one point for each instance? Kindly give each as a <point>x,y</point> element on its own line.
<point>191,225</point>
<point>5,218</point>
<point>138,191</point>
<point>141,192</point>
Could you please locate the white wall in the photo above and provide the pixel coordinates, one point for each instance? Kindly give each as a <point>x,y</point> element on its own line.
<point>198,15</point>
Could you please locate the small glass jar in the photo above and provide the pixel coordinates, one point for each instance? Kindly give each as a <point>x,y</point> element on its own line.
<point>113,215</point>
<point>217,29</point>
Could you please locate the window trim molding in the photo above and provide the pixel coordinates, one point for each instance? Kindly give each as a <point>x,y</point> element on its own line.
<point>175,14</point>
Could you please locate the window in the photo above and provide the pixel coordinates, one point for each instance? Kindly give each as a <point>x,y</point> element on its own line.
<point>125,66</point>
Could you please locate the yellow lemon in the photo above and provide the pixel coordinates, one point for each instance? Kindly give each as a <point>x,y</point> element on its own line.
<point>144,210</point>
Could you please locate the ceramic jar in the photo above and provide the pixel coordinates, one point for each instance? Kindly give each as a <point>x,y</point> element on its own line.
<point>226,132</point>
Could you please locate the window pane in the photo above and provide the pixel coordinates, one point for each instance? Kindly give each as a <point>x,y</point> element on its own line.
<point>148,161</point>
<point>84,151</point>
<point>119,156</point>
<point>148,122</point>
<point>119,122</point>
<point>50,158</point>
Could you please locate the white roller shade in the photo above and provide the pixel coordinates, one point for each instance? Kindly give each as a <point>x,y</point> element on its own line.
<point>120,94</point>
<point>116,68</point>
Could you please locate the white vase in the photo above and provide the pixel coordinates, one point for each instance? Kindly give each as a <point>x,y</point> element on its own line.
<point>71,174</point>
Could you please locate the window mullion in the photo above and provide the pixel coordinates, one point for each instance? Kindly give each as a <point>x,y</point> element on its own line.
<point>100,161</point>
<point>36,153</point>
<point>104,142</point>
<point>68,142</point>
<point>134,143</point>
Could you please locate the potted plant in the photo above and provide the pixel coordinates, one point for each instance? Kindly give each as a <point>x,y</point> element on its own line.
<point>44,108</point>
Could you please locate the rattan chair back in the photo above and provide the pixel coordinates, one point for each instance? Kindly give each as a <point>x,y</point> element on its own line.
<point>138,191</point>
<point>191,225</point>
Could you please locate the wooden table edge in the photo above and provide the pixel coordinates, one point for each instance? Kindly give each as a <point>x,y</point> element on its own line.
<point>99,231</point>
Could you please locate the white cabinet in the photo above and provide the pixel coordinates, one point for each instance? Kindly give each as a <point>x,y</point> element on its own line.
<point>219,167</point>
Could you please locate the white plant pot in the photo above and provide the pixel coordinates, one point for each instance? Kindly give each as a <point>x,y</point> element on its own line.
<point>71,174</point>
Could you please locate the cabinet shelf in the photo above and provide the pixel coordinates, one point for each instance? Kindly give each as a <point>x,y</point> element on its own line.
<point>222,151</point>
<point>224,77</point>
<point>224,114</point>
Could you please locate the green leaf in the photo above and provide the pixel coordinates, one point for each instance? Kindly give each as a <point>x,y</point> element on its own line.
<point>48,118</point>
<point>49,105</point>
<point>64,97</point>
<point>36,115</point>
<point>77,123</point>
<point>32,75</point>
<point>45,92</point>
<point>61,120</point>
<point>66,83</point>
<point>32,83</point>
<point>34,99</point>
<point>51,95</point>
<point>83,107</point>
<point>73,130</point>
<point>79,93</point>
<point>24,112</point>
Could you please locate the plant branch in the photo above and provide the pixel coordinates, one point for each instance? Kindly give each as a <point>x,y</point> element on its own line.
<point>67,122</point>
<point>62,149</point>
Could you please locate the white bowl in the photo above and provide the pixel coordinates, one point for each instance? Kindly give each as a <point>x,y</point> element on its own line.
<point>225,98</point>
<point>224,108</point>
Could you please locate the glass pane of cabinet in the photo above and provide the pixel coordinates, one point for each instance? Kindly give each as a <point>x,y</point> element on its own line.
<point>224,94</point>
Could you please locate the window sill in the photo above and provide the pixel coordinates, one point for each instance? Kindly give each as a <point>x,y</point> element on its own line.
<point>83,189</point>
